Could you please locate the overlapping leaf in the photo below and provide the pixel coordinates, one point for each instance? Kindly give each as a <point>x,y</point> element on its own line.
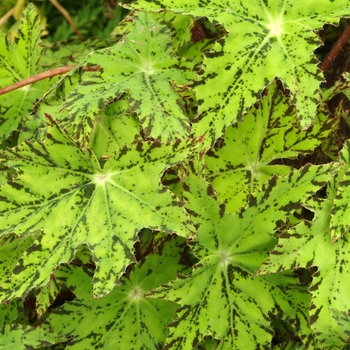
<point>268,132</point>
<point>45,296</point>
<point>265,39</point>
<point>23,337</point>
<point>220,298</point>
<point>19,336</point>
<point>180,27</point>
<point>143,64</point>
<point>343,319</point>
<point>124,319</point>
<point>309,244</point>
<point>340,194</point>
<point>114,127</point>
<point>11,249</point>
<point>64,193</point>
<point>18,60</point>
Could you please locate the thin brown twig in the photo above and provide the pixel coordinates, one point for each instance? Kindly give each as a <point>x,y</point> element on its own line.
<point>35,78</point>
<point>327,62</point>
<point>6,16</point>
<point>67,16</point>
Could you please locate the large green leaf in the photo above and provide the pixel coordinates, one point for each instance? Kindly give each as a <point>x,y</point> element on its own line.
<point>19,57</point>
<point>268,132</point>
<point>220,298</point>
<point>18,60</point>
<point>124,319</point>
<point>34,126</point>
<point>309,244</point>
<point>113,127</point>
<point>266,38</point>
<point>65,194</point>
<point>142,63</point>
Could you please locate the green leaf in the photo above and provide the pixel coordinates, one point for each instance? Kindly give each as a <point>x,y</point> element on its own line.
<point>144,65</point>
<point>125,319</point>
<point>179,25</point>
<point>83,255</point>
<point>220,298</point>
<point>25,337</point>
<point>65,53</point>
<point>340,193</point>
<point>11,249</point>
<point>34,127</point>
<point>18,60</point>
<point>114,127</point>
<point>20,336</point>
<point>265,39</point>
<point>309,244</point>
<point>291,345</point>
<point>9,312</point>
<point>343,320</point>
<point>73,201</point>
<point>45,297</point>
<point>268,132</point>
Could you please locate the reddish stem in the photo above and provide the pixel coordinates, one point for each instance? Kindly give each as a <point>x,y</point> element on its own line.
<point>336,49</point>
<point>35,78</point>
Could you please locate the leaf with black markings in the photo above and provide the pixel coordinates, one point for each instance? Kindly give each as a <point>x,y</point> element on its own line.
<point>268,132</point>
<point>309,244</point>
<point>65,194</point>
<point>266,39</point>
<point>144,65</point>
<point>124,319</point>
<point>221,298</point>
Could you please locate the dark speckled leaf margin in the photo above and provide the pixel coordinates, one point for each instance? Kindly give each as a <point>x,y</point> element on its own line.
<point>19,60</point>
<point>61,192</point>
<point>275,39</point>
<point>14,335</point>
<point>143,65</point>
<point>330,286</point>
<point>221,298</point>
<point>124,319</point>
<point>268,132</point>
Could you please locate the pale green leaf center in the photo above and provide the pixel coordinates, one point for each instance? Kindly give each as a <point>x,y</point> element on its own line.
<point>101,178</point>
<point>147,68</point>
<point>275,27</point>
<point>226,258</point>
<point>136,294</point>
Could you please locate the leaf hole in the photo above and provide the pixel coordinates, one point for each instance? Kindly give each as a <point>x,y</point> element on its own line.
<point>62,297</point>
<point>283,331</point>
<point>204,29</point>
<point>307,214</point>
<point>304,275</point>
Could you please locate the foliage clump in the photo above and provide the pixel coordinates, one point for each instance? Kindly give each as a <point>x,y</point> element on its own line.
<point>181,184</point>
